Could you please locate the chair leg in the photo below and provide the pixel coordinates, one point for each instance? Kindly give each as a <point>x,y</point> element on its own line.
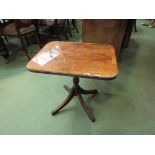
<point>38,35</point>
<point>6,52</point>
<point>57,32</point>
<point>6,56</point>
<point>27,41</point>
<point>68,27</point>
<point>6,38</point>
<point>24,47</point>
<point>38,39</point>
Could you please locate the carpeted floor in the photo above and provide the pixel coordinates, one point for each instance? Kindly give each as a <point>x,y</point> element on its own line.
<point>125,105</point>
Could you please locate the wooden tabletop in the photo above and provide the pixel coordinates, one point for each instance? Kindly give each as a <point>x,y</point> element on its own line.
<point>90,60</point>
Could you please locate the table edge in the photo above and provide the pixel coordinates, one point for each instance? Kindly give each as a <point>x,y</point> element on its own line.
<point>74,75</point>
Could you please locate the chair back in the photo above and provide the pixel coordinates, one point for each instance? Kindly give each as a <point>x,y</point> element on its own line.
<point>23,23</point>
<point>20,23</point>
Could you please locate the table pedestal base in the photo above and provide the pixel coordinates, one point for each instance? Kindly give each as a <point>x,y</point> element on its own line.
<point>76,90</point>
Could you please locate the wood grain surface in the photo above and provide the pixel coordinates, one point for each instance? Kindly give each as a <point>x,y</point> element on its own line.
<point>90,60</point>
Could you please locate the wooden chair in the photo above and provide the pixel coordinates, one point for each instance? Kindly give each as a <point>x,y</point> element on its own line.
<point>21,28</point>
<point>57,24</point>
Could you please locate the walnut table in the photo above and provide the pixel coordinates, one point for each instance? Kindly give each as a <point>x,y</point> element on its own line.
<point>88,60</point>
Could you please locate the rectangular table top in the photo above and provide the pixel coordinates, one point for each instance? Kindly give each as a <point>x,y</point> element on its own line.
<point>90,60</point>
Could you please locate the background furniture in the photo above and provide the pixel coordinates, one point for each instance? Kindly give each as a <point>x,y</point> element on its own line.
<point>77,60</point>
<point>109,31</point>
<point>3,50</point>
<point>57,26</point>
<point>75,25</point>
<point>21,28</point>
<point>71,25</point>
<point>4,22</point>
<point>134,24</point>
<point>131,24</point>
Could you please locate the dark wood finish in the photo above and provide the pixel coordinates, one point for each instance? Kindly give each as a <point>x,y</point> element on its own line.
<point>3,22</point>
<point>134,25</point>
<point>88,60</point>
<point>128,31</point>
<point>104,31</point>
<point>71,25</point>
<point>76,90</point>
<point>75,25</point>
<point>57,26</point>
<point>21,28</point>
<point>3,50</point>
<point>68,27</point>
